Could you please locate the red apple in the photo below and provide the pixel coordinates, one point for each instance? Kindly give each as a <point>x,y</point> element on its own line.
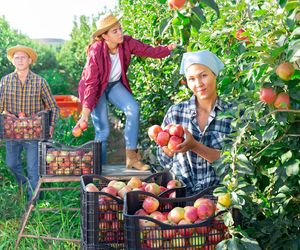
<point>176,129</point>
<point>190,213</point>
<point>83,125</point>
<point>152,188</point>
<point>91,187</point>
<point>176,4</point>
<point>173,184</point>
<point>76,131</point>
<point>150,204</point>
<point>167,128</point>
<point>282,101</point>
<point>285,71</point>
<point>158,216</point>
<point>123,191</point>
<point>173,142</point>
<point>176,214</point>
<point>135,182</point>
<point>162,139</point>
<point>239,35</point>
<point>118,185</point>
<point>153,131</point>
<point>110,190</point>
<point>267,95</point>
<point>205,208</point>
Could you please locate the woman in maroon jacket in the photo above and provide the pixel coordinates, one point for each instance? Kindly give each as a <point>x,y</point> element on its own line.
<point>104,80</point>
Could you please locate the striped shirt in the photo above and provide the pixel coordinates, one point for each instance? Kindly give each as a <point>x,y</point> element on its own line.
<point>31,97</point>
<point>193,170</point>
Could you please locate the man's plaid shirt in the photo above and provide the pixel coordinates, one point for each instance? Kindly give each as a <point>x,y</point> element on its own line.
<point>196,172</point>
<point>31,97</point>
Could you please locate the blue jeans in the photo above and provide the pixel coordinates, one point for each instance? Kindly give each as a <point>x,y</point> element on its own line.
<point>14,162</point>
<point>120,97</point>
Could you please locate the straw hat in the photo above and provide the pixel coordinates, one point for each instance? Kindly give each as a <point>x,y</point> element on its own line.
<point>105,23</point>
<point>29,51</point>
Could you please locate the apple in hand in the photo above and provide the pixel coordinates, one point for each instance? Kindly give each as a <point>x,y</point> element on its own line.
<point>153,131</point>
<point>176,129</point>
<point>173,142</point>
<point>83,125</point>
<point>76,131</point>
<point>162,138</point>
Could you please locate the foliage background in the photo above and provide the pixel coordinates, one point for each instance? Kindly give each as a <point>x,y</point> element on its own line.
<point>263,177</point>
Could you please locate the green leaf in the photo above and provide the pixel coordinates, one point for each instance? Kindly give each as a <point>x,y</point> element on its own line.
<point>292,168</point>
<point>291,5</point>
<point>282,3</point>
<point>286,156</point>
<point>270,133</point>
<point>198,12</point>
<point>228,220</point>
<point>213,5</point>
<point>165,23</point>
<point>250,244</point>
<point>162,1</point>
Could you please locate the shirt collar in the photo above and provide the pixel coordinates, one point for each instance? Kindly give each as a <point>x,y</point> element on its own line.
<point>219,104</point>
<point>29,76</point>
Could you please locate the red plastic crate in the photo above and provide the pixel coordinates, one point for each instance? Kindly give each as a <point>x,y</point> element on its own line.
<point>101,214</point>
<point>144,232</point>
<point>69,105</point>
<point>56,159</point>
<point>35,127</point>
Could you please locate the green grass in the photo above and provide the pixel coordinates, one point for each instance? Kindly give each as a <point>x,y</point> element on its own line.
<point>63,223</point>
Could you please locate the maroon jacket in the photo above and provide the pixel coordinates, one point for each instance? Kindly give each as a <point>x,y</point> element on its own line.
<point>96,72</point>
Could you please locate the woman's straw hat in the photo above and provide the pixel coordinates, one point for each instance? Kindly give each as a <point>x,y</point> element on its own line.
<point>105,23</point>
<point>29,51</point>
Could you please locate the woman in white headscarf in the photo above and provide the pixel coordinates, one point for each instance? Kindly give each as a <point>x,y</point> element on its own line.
<point>204,133</point>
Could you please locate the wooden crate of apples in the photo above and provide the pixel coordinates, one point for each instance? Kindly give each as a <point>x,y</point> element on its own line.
<point>172,223</point>
<point>22,127</point>
<point>102,202</point>
<point>59,160</point>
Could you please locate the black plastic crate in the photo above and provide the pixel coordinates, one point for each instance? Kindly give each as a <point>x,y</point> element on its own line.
<point>101,214</point>
<point>56,159</point>
<point>35,127</point>
<point>143,232</point>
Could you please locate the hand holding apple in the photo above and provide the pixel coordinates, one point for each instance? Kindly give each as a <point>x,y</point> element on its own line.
<point>188,144</point>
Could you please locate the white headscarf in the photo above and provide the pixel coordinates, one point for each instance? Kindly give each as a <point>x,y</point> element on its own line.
<point>204,57</point>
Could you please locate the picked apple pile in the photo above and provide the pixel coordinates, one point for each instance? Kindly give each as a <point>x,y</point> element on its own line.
<point>111,212</point>
<point>64,162</point>
<point>154,236</point>
<point>168,137</point>
<point>21,127</point>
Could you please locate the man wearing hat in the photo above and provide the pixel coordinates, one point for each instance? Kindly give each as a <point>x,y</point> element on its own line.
<point>104,80</point>
<point>205,133</point>
<point>26,92</point>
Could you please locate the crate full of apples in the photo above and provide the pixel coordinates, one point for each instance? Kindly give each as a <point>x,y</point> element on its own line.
<point>23,127</point>
<point>102,202</point>
<point>59,160</point>
<point>172,223</point>
<point>168,137</point>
